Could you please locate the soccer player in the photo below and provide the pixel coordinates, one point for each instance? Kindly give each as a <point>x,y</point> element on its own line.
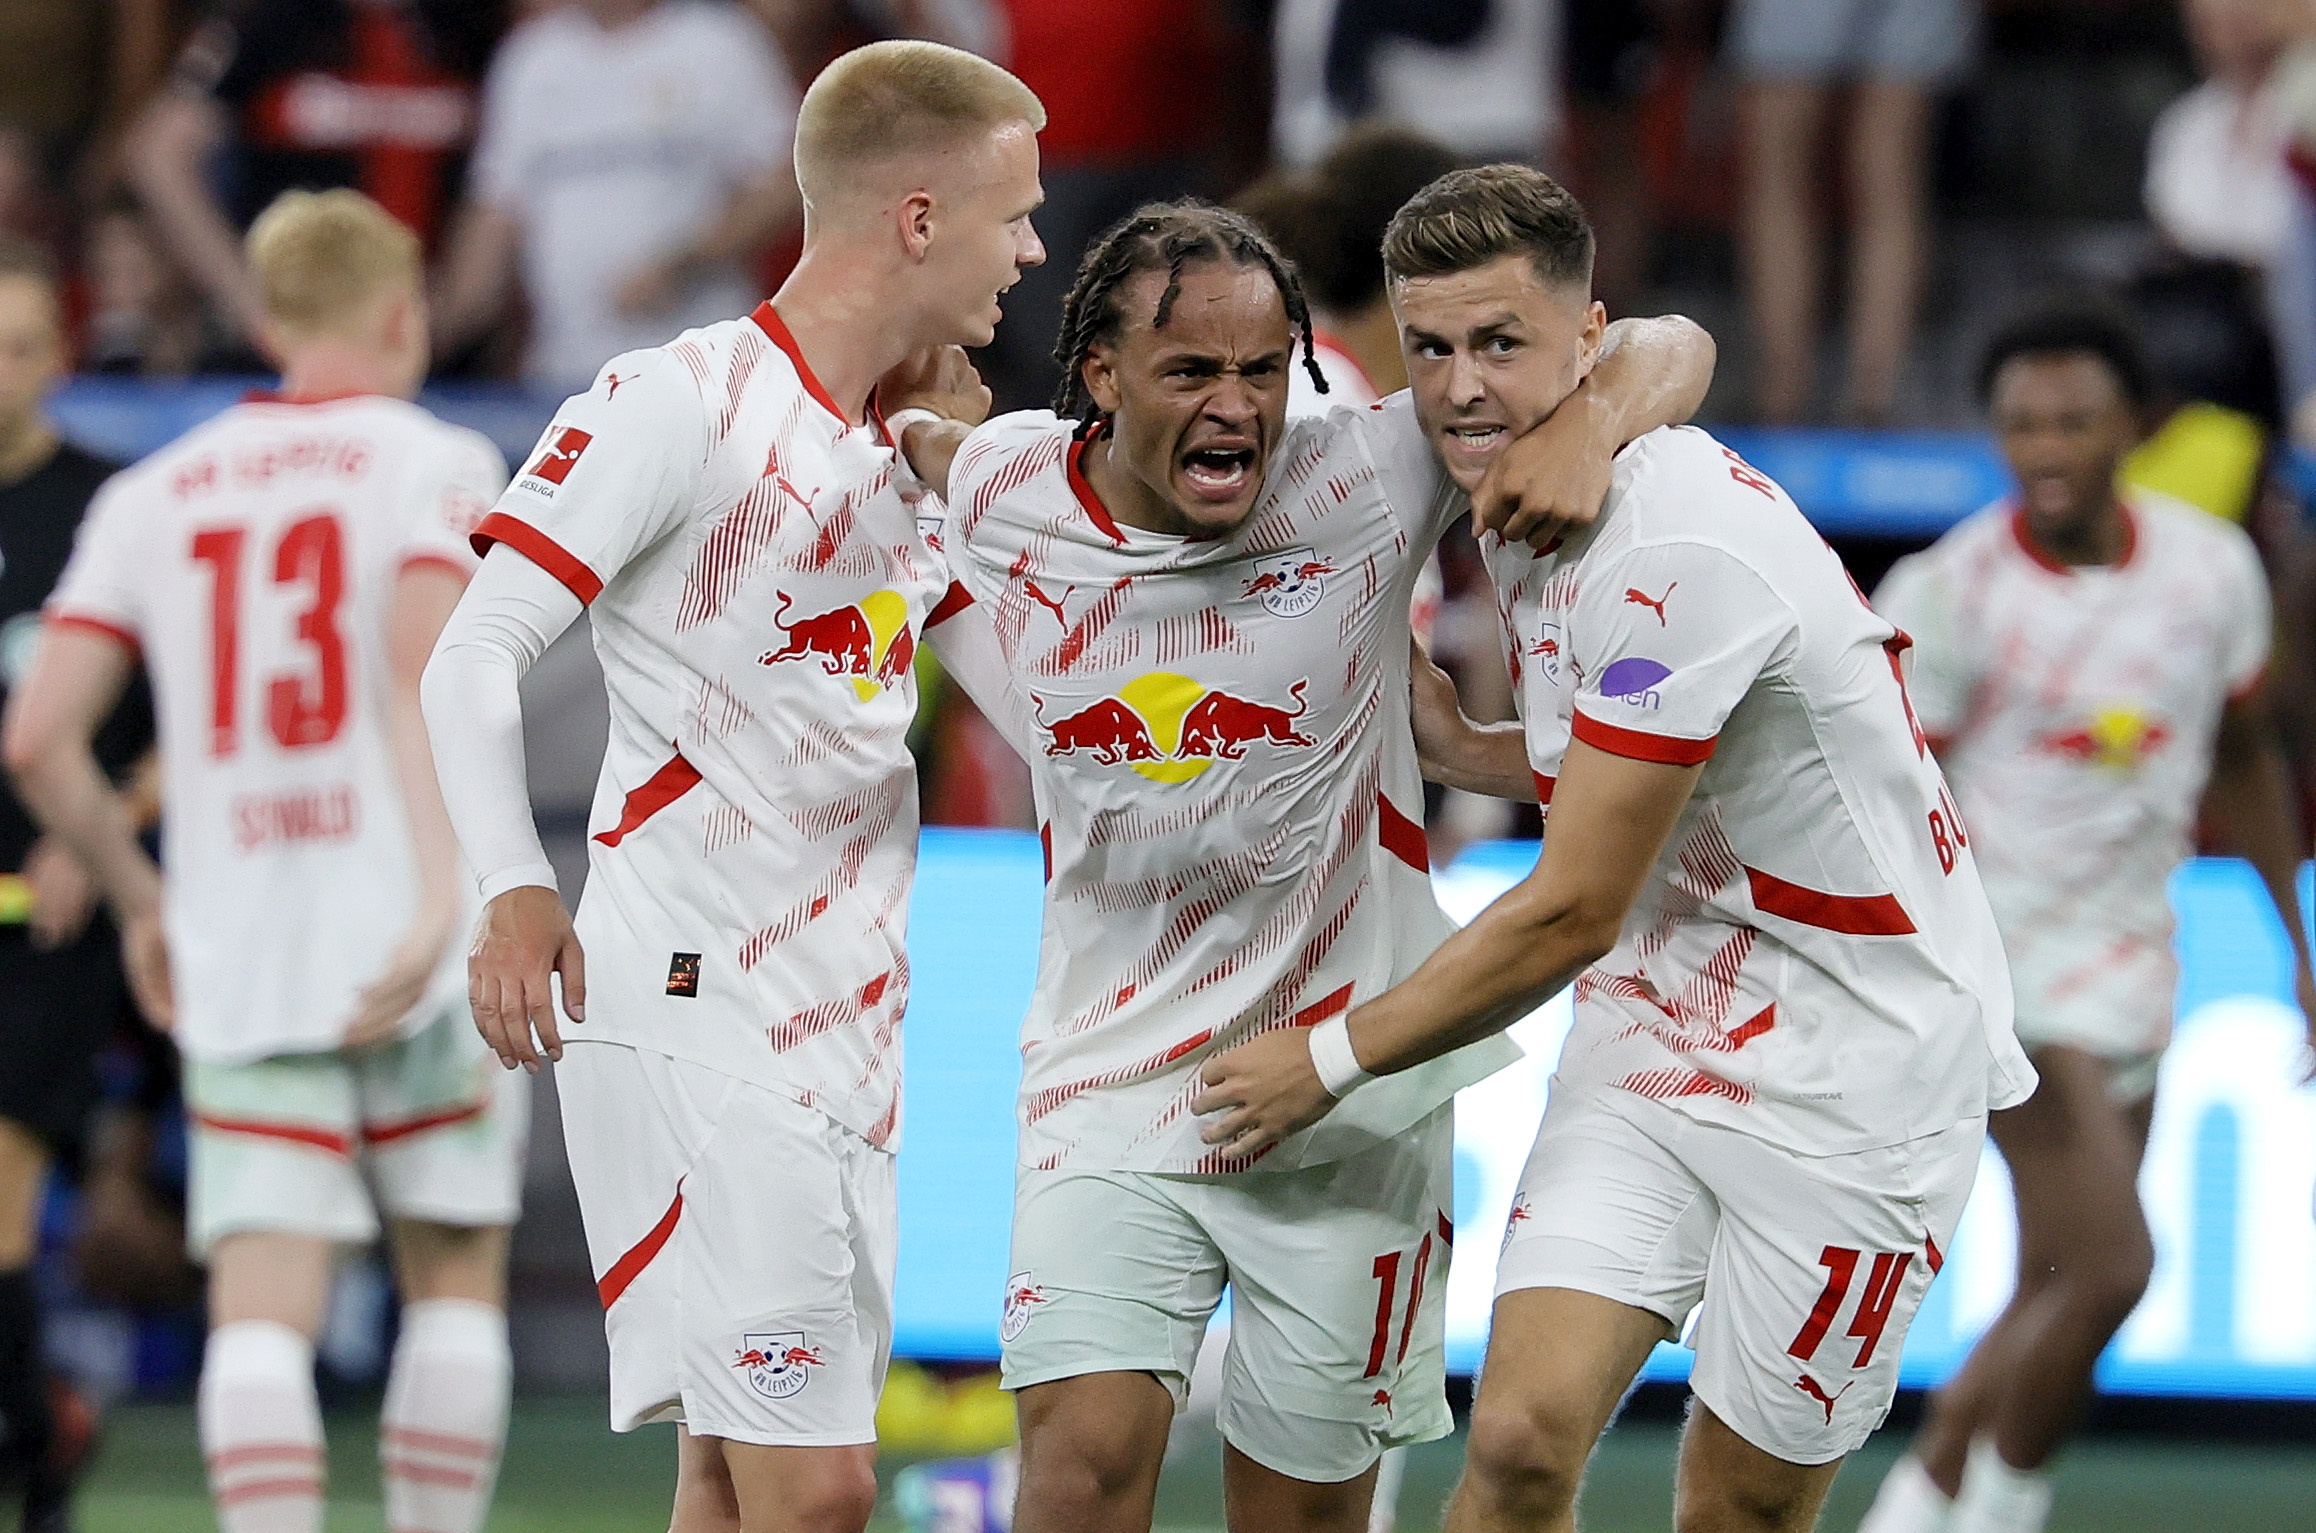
<point>1206,611</point>
<point>2088,669</point>
<point>285,569</point>
<point>61,990</point>
<point>1791,1009</point>
<point>728,510</point>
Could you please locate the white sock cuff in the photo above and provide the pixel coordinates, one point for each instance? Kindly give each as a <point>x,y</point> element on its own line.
<point>466,1326</point>
<point>259,1348</point>
<point>2000,1496</point>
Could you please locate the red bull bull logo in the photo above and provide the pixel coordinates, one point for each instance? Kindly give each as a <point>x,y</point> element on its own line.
<point>1170,727</point>
<point>777,1364</point>
<point>868,642</point>
<point>2118,737</point>
<point>1023,1298</point>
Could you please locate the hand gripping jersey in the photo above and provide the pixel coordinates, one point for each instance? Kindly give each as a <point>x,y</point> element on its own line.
<point>1812,960</point>
<point>2075,710</point>
<point>756,583</point>
<point>253,560</point>
<point>1225,776</point>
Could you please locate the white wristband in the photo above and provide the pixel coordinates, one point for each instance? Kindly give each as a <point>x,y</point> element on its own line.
<point>899,422</point>
<point>1333,1058</point>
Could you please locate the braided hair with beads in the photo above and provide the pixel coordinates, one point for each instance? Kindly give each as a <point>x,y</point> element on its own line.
<point>1163,236</point>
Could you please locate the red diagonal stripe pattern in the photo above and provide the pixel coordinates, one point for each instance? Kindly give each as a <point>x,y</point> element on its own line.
<point>1854,915</point>
<point>671,782</point>
<point>323,1139</point>
<point>630,1266</point>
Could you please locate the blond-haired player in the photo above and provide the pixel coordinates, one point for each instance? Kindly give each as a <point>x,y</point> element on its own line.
<point>729,511</point>
<point>285,569</point>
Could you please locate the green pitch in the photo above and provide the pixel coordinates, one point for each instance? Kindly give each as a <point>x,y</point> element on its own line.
<point>566,1473</point>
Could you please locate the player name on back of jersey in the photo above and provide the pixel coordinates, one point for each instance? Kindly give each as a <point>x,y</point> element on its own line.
<point>327,813</point>
<point>258,465</point>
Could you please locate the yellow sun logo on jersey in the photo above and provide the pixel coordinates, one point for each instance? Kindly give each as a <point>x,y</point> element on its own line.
<point>1170,727</point>
<point>2118,737</point>
<point>869,641</point>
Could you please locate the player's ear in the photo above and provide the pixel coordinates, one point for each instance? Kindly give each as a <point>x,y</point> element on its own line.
<point>913,218</point>
<point>271,344</point>
<point>1595,333</point>
<point>1100,372</point>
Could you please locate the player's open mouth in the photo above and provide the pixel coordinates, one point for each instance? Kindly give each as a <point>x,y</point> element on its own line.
<point>1475,438</point>
<point>1218,473</point>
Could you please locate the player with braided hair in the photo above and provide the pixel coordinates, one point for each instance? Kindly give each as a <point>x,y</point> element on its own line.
<point>1171,235</point>
<point>1206,609</point>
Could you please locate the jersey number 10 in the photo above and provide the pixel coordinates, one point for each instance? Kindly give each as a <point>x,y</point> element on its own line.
<point>300,709</point>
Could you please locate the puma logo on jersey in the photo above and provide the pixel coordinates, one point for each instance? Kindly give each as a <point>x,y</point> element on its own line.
<point>1655,604</point>
<point>612,381</point>
<point>1816,1391</point>
<point>1047,602</point>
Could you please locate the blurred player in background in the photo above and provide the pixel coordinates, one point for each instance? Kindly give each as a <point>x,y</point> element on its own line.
<point>2088,668</point>
<point>1791,1013</point>
<point>1206,612</point>
<point>285,569</point>
<point>60,976</point>
<point>726,510</point>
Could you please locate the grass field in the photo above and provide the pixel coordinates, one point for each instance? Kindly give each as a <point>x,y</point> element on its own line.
<point>565,1473</point>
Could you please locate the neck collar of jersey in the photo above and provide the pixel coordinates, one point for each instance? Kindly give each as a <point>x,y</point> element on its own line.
<point>1098,513</point>
<point>275,397</point>
<point>2033,550</point>
<point>768,320</point>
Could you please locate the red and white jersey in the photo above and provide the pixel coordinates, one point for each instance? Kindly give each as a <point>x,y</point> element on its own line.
<point>756,582</point>
<point>1812,960</point>
<point>253,561</point>
<point>2075,710</point>
<point>1225,774</point>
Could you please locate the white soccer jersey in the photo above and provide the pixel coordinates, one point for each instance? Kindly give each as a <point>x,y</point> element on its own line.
<point>2075,710</point>
<point>1225,773</point>
<point>1812,960</point>
<point>756,583</point>
<point>253,561</point>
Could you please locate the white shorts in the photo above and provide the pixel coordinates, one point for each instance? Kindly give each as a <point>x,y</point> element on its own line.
<point>743,1247</point>
<point>298,1143</point>
<point>1809,1268</point>
<point>1338,1278</point>
<point>2090,989</point>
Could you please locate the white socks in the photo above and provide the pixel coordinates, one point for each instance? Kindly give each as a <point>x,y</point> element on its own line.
<point>261,1429</point>
<point>445,1418</point>
<point>1996,1498</point>
<point>1908,1502</point>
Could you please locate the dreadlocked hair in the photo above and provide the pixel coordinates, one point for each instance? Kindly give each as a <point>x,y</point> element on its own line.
<point>1163,236</point>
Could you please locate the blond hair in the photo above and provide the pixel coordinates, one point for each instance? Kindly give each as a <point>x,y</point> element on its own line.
<point>321,258</point>
<point>892,99</point>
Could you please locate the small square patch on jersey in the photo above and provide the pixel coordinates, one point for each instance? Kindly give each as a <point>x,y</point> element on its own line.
<point>556,458</point>
<point>683,974</point>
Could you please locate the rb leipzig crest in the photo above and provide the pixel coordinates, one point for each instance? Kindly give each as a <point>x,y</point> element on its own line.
<point>1290,584</point>
<point>778,1363</point>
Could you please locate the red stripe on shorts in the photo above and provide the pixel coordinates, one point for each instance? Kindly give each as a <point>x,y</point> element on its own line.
<point>387,1133</point>
<point>630,1267</point>
<point>295,1133</point>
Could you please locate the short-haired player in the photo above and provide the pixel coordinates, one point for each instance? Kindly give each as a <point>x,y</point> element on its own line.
<point>1205,607</point>
<point>284,569</point>
<point>728,511</point>
<point>2088,669</point>
<point>1791,1009</point>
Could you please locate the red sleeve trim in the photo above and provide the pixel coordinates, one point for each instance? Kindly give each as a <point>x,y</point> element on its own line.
<point>671,782</point>
<point>1853,915</point>
<point>953,601</point>
<point>544,551</point>
<point>1401,837</point>
<point>296,1133</point>
<point>87,624</point>
<point>439,561</point>
<point>630,1266</point>
<point>1930,1249</point>
<point>1544,787</point>
<point>2251,688</point>
<point>1639,745</point>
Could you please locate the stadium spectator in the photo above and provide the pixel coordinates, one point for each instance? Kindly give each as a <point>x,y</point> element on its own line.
<point>633,157</point>
<point>1891,56</point>
<point>1479,77</point>
<point>144,319</point>
<point>72,75</point>
<point>306,94</point>
<point>60,977</point>
<point>1129,92</point>
<point>2216,183</point>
